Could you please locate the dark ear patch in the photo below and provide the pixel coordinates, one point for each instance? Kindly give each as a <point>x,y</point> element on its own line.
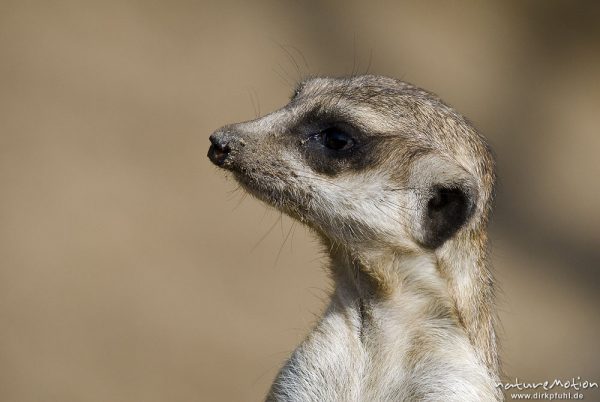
<point>447,209</point>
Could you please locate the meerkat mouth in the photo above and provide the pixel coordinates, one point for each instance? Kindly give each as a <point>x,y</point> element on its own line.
<point>257,189</point>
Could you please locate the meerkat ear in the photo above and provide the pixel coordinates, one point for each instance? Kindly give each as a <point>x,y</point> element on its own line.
<point>447,209</point>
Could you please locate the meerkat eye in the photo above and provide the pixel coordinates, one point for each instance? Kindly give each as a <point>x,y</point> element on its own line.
<point>336,139</point>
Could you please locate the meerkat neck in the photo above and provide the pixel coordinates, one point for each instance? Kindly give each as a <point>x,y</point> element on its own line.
<point>453,287</point>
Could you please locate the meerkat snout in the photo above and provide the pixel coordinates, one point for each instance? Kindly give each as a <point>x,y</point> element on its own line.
<point>219,150</point>
<point>224,146</point>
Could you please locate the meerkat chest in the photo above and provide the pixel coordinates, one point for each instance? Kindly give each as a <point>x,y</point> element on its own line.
<point>355,354</point>
<point>411,355</point>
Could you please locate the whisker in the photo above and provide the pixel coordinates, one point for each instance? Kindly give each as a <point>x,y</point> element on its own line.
<point>282,245</point>
<point>263,237</point>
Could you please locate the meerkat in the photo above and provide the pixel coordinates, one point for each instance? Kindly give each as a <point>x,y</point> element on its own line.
<point>398,186</point>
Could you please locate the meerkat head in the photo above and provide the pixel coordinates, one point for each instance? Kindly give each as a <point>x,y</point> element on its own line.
<point>364,160</point>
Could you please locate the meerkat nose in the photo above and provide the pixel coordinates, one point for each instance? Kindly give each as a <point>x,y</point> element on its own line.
<point>219,150</point>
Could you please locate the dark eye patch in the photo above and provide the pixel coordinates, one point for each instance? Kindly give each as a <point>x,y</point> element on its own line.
<point>339,148</point>
<point>331,143</point>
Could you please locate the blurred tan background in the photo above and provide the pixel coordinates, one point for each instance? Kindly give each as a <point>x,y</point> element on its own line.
<point>130,269</point>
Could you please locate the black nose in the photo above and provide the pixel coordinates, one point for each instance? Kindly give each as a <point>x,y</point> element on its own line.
<point>219,149</point>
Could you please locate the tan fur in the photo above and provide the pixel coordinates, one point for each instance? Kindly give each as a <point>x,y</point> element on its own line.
<point>412,315</point>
